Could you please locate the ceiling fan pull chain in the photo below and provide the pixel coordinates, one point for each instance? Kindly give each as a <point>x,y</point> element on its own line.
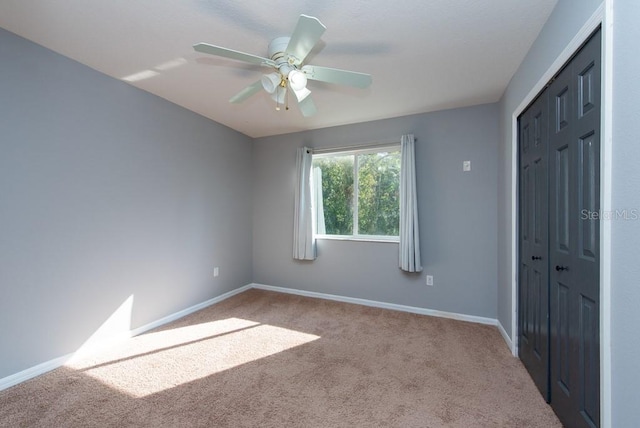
<point>286,99</point>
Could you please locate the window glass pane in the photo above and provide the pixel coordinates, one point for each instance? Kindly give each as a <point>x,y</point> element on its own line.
<point>378,193</point>
<point>337,193</point>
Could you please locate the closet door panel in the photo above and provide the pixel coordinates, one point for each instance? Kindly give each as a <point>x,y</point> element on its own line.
<point>534,243</point>
<point>574,239</point>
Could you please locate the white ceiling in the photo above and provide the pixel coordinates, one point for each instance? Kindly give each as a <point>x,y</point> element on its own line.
<point>424,55</point>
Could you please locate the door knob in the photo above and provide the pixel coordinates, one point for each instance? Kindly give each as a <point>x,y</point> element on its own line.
<point>536,258</point>
<point>561,268</point>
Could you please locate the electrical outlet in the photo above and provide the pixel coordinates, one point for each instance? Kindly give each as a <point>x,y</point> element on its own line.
<point>216,271</point>
<point>430,280</point>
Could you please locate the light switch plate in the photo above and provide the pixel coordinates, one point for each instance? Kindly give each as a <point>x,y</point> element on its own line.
<point>466,166</point>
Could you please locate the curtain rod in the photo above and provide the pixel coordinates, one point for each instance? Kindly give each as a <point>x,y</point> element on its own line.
<point>357,147</point>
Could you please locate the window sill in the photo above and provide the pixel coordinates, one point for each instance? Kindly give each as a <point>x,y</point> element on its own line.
<point>390,240</point>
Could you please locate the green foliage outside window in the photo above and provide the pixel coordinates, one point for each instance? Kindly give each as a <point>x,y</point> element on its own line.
<point>337,193</point>
<point>378,176</point>
<point>378,195</point>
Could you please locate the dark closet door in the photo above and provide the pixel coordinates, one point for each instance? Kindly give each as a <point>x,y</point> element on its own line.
<point>534,244</point>
<point>574,239</point>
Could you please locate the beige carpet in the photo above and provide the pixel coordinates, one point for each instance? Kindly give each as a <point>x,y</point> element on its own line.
<point>263,359</point>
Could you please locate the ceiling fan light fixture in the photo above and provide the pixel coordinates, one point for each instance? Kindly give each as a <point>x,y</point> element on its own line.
<point>301,94</point>
<point>298,84</point>
<point>270,82</point>
<point>297,80</point>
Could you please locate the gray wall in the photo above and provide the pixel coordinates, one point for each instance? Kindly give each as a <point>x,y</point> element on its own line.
<point>625,236</point>
<point>107,191</point>
<point>457,216</point>
<point>565,21</point>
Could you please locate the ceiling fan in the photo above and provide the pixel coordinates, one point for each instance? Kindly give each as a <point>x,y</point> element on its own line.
<point>286,57</point>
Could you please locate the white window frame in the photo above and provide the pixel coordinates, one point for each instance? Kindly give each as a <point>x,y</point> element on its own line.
<point>362,150</point>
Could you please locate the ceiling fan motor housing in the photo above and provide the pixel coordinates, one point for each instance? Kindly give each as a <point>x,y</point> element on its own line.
<point>277,48</point>
<point>277,53</point>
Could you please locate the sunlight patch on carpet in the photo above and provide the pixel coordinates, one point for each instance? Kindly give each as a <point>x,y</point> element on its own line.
<point>155,362</point>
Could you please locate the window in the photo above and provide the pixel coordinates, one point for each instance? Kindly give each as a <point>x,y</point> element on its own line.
<point>357,193</point>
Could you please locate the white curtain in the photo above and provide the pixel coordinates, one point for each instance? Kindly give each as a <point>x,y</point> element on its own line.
<point>318,206</point>
<point>409,257</point>
<point>304,245</point>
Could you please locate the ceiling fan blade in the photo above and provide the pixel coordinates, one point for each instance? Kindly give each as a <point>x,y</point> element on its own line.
<point>305,36</point>
<point>340,77</point>
<point>230,53</point>
<point>246,92</point>
<point>307,107</point>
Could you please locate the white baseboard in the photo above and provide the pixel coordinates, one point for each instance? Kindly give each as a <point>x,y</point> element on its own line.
<point>507,339</point>
<point>47,366</point>
<point>383,305</point>
<point>31,372</point>
<point>189,310</point>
